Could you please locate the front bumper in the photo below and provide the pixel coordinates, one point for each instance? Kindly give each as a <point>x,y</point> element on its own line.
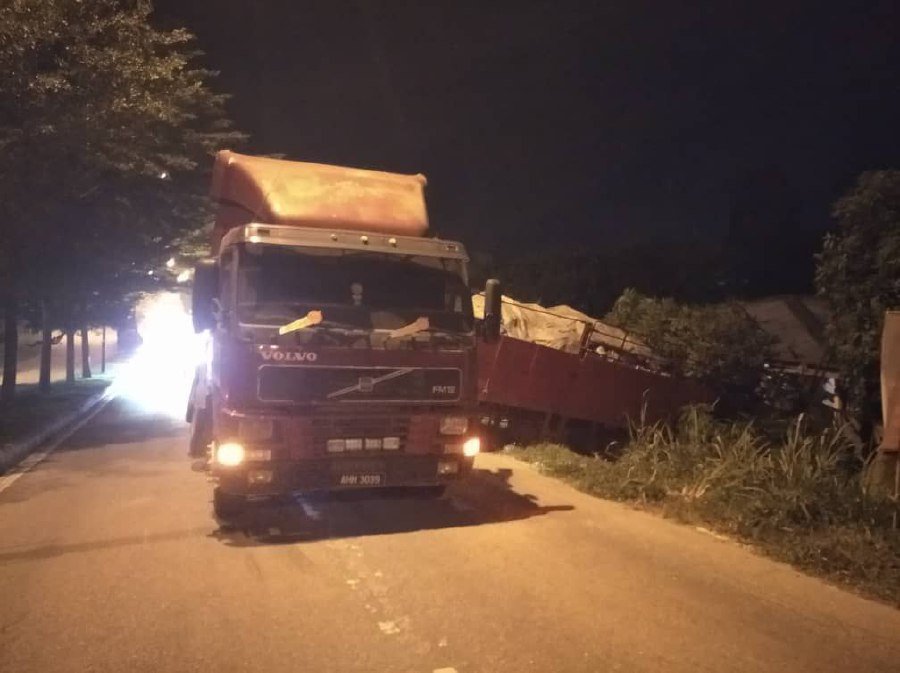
<point>341,473</point>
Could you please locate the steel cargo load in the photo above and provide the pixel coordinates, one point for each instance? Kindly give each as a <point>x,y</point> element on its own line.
<point>273,191</point>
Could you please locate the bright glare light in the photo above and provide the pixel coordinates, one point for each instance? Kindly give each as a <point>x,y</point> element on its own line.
<point>184,276</point>
<point>159,375</point>
<point>472,447</point>
<point>170,262</point>
<point>230,454</point>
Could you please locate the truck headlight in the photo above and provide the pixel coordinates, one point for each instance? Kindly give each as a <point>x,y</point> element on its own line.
<point>454,425</point>
<point>472,447</point>
<point>230,454</point>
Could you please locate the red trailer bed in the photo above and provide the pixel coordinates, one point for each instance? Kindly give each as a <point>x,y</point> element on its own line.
<point>523,375</point>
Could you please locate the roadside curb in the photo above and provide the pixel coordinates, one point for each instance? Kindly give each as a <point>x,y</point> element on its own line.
<point>13,453</point>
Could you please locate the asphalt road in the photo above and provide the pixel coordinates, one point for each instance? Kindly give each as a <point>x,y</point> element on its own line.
<point>110,560</point>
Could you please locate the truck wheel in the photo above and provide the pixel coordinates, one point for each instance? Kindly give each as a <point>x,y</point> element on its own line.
<point>201,433</point>
<point>227,505</point>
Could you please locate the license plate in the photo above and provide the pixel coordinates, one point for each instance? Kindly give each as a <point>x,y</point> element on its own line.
<point>356,479</point>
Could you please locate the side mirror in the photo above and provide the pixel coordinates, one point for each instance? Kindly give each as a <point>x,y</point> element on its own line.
<point>206,282</point>
<point>493,297</point>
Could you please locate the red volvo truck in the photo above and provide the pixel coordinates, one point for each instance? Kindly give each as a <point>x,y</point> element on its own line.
<point>342,345</point>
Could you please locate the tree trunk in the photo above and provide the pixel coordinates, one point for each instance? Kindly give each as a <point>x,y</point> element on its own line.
<point>103,351</point>
<point>70,354</point>
<point>85,353</point>
<point>46,345</point>
<point>10,349</point>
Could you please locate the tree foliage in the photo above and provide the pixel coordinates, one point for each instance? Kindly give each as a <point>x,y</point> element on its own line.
<point>107,127</point>
<point>103,124</point>
<point>858,274</point>
<point>718,343</point>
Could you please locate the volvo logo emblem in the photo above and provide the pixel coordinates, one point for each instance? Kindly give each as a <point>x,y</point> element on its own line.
<point>366,384</point>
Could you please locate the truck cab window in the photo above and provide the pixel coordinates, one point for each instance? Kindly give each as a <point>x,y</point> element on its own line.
<point>367,290</point>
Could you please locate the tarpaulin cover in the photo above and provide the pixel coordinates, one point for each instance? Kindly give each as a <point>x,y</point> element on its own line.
<point>559,327</point>
<point>275,191</point>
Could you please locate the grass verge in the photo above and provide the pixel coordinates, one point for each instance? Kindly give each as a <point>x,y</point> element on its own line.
<point>799,499</point>
<point>31,411</point>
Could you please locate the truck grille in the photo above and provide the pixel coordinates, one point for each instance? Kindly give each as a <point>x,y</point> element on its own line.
<point>356,427</point>
<point>304,383</point>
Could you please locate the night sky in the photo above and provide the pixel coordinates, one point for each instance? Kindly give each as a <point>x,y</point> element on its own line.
<point>570,125</point>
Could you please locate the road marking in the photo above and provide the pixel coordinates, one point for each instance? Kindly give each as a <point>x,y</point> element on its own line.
<point>389,628</point>
<point>445,670</point>
<point>29,462</point>
<point>394,626</point>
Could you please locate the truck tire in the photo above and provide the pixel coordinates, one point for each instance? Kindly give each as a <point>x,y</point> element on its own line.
<point>227,505</point>
<point>201,433</point>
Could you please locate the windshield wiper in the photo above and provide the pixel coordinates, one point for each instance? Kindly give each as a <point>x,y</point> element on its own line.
<point>420,324</point>
<point>310,319</point>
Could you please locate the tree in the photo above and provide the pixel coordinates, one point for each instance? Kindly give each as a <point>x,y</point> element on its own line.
<point>858,274</point>
<point>717,343</point>
<point>104,123</point>
<point>10,348</point>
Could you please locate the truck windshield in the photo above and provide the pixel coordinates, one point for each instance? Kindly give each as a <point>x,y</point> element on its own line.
<point>352,289</point>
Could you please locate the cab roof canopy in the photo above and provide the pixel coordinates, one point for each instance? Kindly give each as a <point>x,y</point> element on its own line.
<point>274,191</point>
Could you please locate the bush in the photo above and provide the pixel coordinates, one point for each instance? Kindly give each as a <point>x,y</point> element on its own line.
<point>720,344</point>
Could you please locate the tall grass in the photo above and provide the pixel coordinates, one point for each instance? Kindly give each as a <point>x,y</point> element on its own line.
<point>800,498</point>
